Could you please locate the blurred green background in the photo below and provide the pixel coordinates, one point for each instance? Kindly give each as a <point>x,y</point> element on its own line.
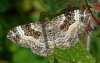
<point>17,12</point>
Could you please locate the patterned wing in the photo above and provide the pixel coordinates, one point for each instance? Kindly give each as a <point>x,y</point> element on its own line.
<point>36,36</point>
<point>68,27</point>
<point>63,31</point>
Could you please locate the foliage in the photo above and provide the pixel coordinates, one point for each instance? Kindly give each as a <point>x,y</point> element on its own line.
<point>75,54</point>
<point>18,12</point>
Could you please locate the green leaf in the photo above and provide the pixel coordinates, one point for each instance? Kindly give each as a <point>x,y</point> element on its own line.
<point>95,45</point>
<point>43,15</point>
<point>52,4</point>
<point>75,54</point>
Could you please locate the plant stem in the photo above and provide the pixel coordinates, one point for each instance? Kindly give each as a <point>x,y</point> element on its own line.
<point>90,10</point>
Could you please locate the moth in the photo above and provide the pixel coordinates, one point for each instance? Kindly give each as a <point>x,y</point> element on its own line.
<point>41,38</point>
